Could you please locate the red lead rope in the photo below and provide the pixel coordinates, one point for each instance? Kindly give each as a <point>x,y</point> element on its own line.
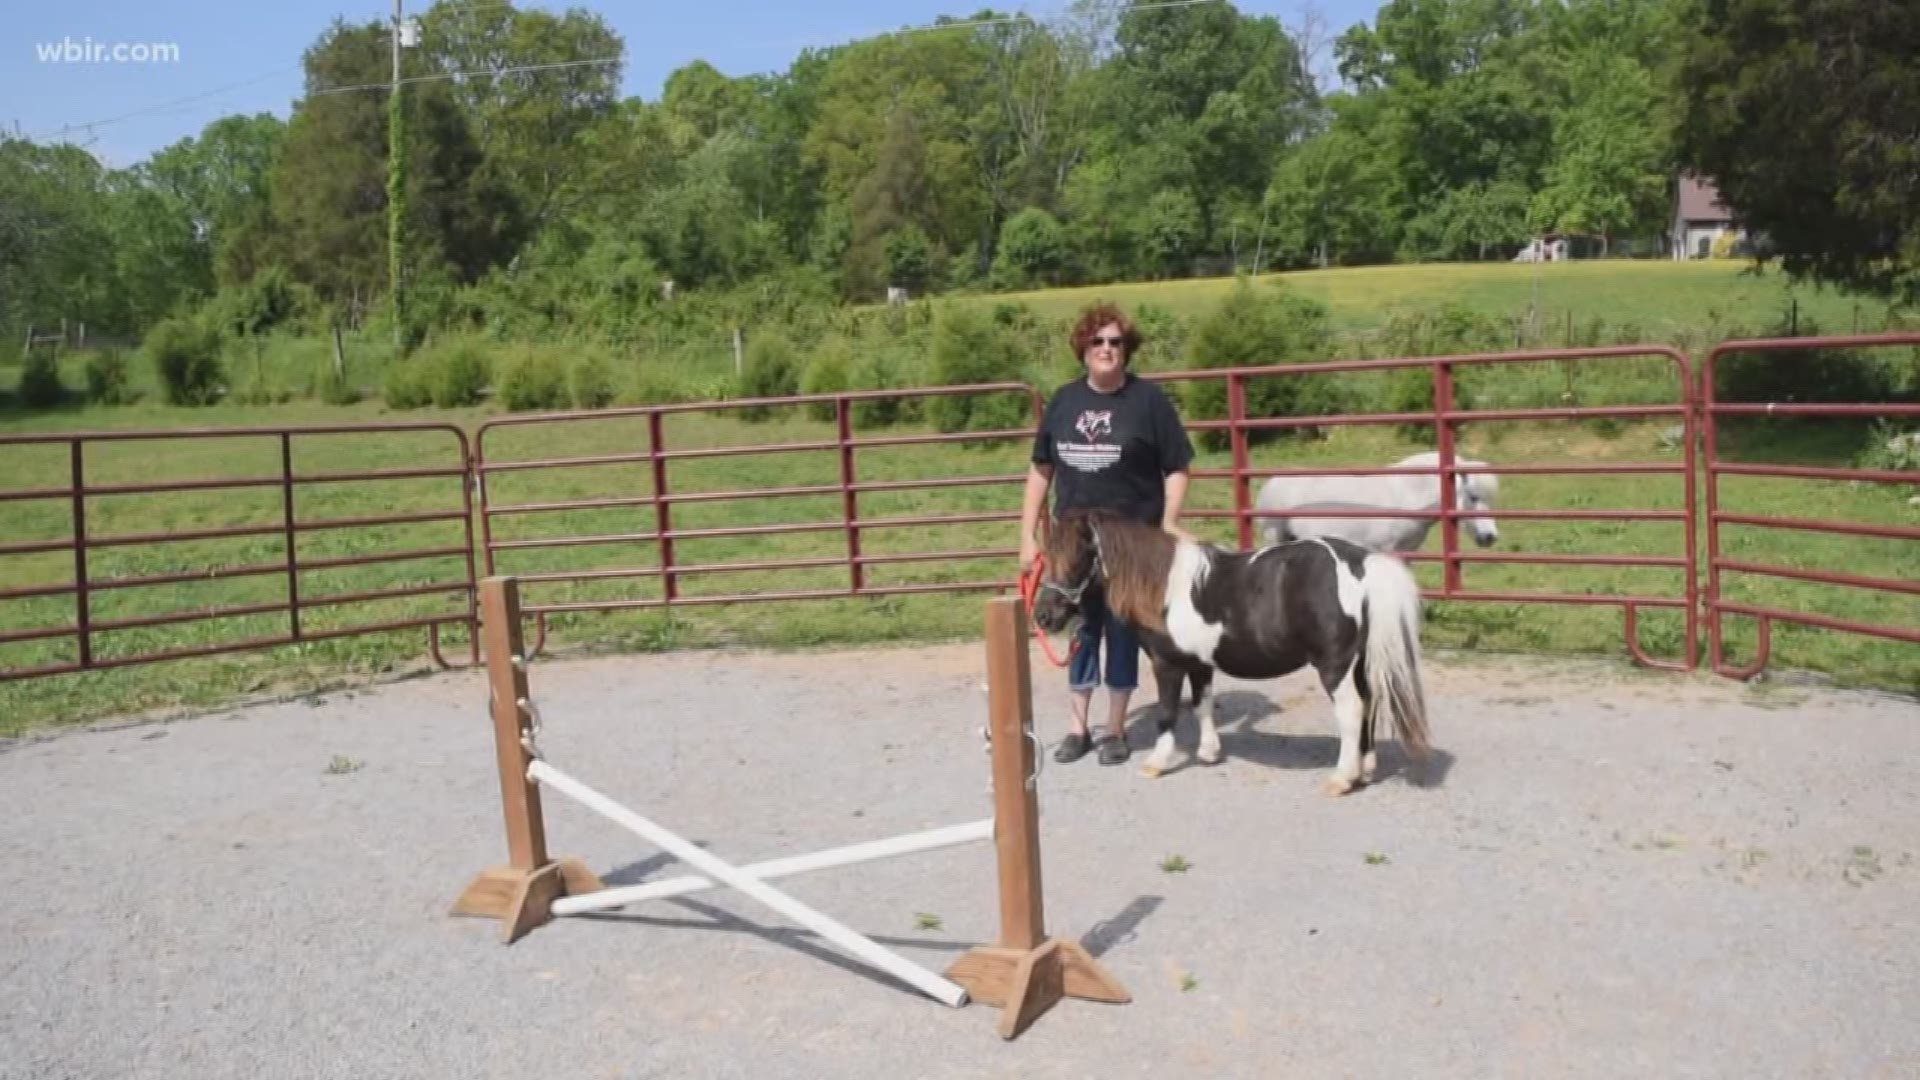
<point>1029,588</point>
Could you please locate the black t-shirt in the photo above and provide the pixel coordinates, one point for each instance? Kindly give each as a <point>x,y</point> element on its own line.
<point>1112,451</point>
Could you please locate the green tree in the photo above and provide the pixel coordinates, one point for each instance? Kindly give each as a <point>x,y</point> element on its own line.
<point>1802,112</point>
<point>1033,249</point>
<point>56,250</point>
<point>1485,218</point>
<point>327,219</point>
<point>897,193</point>
<point>219,182</point>
<point>1327,199</point>
<point>159,258</point>
<point>524,117</point>
<point>909,258</point>
<point>1608,171</point>
<point>889,137</point>
<point>1172,231</point>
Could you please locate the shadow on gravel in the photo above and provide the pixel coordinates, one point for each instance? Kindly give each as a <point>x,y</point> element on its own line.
<point>1119,930</point>
<point>1103,937</point>
<point>1239,711</point>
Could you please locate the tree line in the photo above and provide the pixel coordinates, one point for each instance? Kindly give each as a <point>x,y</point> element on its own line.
<point>1119,141</point>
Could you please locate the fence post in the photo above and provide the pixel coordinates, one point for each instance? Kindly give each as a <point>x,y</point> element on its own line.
<point>849,499</point>
<point>1024,972</point>
<point>1449,507</point>
<point>83,605</point>
<point>1237,434</point>
<point>662,511</point>
<point>521,893</point>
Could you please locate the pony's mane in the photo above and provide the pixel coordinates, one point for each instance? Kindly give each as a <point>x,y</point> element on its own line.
<point>1134,560</point>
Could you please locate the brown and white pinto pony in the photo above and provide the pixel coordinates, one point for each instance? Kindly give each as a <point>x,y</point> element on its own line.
<point>1352,614</point>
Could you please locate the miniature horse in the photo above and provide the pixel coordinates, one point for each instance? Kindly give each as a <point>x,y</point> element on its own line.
<point>1353,615</point>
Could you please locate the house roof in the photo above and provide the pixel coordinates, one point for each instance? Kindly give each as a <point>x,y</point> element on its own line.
<point>1700,201</point>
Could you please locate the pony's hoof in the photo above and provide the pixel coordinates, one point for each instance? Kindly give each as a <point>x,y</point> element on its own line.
<point>1336,786</point>
<point>1369,763</point>
<point>1151,771</point>
<point>1208,755</point>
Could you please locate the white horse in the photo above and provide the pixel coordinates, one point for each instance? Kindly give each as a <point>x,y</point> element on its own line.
<point>1473,491</point>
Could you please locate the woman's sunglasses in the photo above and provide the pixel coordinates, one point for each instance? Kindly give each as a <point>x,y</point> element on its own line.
<point>1113,342</point>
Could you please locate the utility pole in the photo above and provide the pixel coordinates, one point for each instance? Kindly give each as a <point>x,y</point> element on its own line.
<point>396,190</point>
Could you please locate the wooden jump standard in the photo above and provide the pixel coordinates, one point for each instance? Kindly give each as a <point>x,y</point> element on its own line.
<point>1024,972</point>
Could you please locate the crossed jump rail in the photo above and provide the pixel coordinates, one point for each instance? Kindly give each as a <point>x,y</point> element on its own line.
<point>1024,971</point>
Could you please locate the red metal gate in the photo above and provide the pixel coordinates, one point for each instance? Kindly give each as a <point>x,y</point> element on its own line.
<point>1720,563</point>
<point>653,553</point>
<point>81,505</point>
<point>63,512</point>
<point>1445,415</point>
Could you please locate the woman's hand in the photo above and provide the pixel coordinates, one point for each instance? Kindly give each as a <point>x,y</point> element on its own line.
<point>1038,478</point>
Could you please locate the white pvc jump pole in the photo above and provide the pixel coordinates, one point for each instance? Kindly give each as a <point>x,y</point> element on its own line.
<point>930,840</point>
<point>942,990</point>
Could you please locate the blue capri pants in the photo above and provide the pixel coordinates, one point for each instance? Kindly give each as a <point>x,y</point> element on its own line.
<point>1122,647</point>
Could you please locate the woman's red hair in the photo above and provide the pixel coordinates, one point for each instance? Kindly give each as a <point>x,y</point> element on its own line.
<point>1097,316</point>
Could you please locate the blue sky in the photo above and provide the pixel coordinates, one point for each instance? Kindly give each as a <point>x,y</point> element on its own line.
<point>245,57</point>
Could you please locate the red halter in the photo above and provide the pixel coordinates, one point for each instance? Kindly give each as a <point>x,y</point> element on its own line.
<point>1029,588</point>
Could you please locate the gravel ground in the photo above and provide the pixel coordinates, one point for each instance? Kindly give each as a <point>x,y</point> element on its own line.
<point>1606,873</point>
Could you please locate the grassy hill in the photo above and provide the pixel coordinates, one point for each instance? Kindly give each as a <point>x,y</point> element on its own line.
<point>1668,301</point>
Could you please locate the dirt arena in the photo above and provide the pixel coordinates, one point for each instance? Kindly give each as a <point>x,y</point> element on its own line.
<point>1602,873</point>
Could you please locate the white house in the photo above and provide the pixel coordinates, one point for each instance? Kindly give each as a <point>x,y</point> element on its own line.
<point>1699,219</point>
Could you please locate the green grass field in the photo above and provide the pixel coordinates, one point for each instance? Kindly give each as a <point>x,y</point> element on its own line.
<point>1479,625</point>
<point>1675,302</point>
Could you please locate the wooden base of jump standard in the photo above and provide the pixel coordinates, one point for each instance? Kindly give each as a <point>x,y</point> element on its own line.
<point>1025,983</point>
<point>523,899</point>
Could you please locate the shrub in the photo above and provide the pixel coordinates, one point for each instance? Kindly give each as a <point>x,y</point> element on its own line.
<point>271,299</point>
<point>1166,338</point>
<point>658,384</point>
<point>1805,375</point>
<point>330,384</point>
<point>969,346</point>
<point>1450,330</point>
<point>1890,448</point>
<point>1411,391</point>
<point>771,370</point>
<point>1260,328</point>
<point>409,385</point>
<point>40,385</point>
<point>592,383</point>
<point>534,383</point>
<point>108,381</point>
<point>186,356</point>
<point>829,372</point>
<point>876,370</point>
<point>458,375</point>
<point>333,388</point>
<point>720,387</point>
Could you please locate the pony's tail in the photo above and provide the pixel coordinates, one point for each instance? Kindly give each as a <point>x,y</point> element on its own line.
<point>1393,651</point>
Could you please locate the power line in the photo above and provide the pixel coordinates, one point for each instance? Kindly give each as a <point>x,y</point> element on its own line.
<point>487,72</point>
<point>165,105</point>
<point>519,69</point>
<point>64,129</point>
<point>555,65</point>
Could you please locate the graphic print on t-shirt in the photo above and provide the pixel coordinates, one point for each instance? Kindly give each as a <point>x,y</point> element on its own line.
<point>1091,455</point>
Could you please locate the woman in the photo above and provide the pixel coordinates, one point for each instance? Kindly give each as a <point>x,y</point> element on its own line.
<point>1109,441</point>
